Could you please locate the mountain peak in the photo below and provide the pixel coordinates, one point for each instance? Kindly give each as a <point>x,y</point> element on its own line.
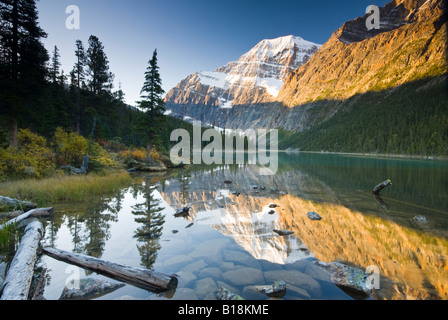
<point>255,77</point>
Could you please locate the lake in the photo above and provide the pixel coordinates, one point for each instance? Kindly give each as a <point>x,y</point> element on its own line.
<point>228,240</point>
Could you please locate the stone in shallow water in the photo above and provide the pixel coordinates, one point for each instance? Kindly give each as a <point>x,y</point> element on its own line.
<point>352,280</point>
<point>314,216</point>
<point>243,276</point>
<point>225,294</point>
<point>89,288</point>
<point>283,232</point>
<point>420,219</point>
<point>276,290</point>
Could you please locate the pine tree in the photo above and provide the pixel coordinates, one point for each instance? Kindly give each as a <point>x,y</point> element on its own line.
<point>23,61</point>
<point>98,67</point>
<point>152,103</point>
<point>55,66</point>
<point>78,77</point>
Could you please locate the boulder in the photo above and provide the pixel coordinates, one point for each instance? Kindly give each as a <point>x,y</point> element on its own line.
<point>351,280</point>
<point>314,216</point>
<point>420,219</point>
<point>276,290</point>
<point>283,232</point>
<point>225,294</point>
<point>89,288</point>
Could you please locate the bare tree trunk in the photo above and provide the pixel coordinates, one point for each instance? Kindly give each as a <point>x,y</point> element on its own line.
<point>18,280</point>
<point>142,278</point>
<point>13,133</point>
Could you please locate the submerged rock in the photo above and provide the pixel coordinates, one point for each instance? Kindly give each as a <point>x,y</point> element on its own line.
<point>182,212</point>
<point>351,280</point>
<point>314,216</point>
<point>420,219</point>
<point>89,288</point>
<point>225,294</point>
<point>283,232</point>
<point>276,290</point>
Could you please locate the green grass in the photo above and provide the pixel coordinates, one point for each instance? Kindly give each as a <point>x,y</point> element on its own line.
<point>6,234</point>
<point>45,192</point>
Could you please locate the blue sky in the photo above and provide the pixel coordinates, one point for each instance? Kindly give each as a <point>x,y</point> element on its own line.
<point>189,35</point>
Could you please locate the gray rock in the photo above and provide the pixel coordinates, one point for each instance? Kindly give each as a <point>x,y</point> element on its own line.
<point>314,216</point>
<point>210,250</point>
<point>205,286</point>
<point>241,258</point>
<point>276,290</point>
<point>352,280</point>
<point>195,266</point>
<point>420,219</point>
<point>225,294</point>
<point>176,262</point>
<point>243,276</point>
<point>89,288</point>
<point>283,232</point>
<point>186,278</point>
<point>212,272</point>
<point>295,278</point>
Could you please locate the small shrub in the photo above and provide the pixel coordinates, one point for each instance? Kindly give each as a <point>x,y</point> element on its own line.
<point>70,147</point>
<point>32,158</point>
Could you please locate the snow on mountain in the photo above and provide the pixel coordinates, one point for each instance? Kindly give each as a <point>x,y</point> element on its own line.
<point>255,77</point>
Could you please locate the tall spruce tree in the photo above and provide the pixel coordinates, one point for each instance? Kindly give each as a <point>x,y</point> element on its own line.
<point>55,66</point>
<point>23,61</point>
<point>78,77</point>
<point>98,67</point>
<point>152,103</point>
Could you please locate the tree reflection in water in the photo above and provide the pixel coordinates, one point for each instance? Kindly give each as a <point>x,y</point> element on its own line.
<point>149,215</point>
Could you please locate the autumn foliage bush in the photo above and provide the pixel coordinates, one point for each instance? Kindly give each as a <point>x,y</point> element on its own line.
<point>32,158</point>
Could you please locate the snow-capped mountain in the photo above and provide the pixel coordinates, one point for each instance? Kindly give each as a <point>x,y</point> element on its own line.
<point>256,77</point>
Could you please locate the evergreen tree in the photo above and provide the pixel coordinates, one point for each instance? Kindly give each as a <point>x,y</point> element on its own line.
<point>98,67</point>
<point>77,77</point>
<point>152,103</point>
<point>23,61</point>
<point>55,66</point>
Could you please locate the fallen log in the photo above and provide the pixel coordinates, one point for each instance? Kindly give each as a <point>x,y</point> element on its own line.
<point>381,186</point>
<point>14,203</point>
<point>20,274</point>
<point>142,278</point>
<point>35,213</point>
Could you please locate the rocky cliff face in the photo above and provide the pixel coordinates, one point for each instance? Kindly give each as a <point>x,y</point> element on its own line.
<point>410,45</point>
<point>256,78</point>
<point>249,93</point>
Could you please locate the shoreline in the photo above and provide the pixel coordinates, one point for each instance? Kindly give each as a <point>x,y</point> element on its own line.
<point>373,155</point>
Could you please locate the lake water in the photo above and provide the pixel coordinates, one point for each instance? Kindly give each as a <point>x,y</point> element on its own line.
<point>228,239</point>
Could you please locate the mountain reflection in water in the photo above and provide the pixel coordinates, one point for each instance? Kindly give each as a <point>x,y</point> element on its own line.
<point>357,228</point>
<point>230,207</point>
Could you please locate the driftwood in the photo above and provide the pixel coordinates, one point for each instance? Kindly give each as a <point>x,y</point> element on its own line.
<point>82,170</point>
<point>381,186</point>
<point>35,213</point>
<point>19,277</point>
<point>142,278</point>
<point>14,203</point>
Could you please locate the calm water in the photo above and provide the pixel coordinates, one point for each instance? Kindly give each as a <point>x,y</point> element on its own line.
<point>227,240</point>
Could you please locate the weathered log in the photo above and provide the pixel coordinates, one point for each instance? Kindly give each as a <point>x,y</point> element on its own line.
<point>381,186</point>
<point>142,278</point>
<point>20,274</point>
<point>35,213</point>
<point>17,204</point>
